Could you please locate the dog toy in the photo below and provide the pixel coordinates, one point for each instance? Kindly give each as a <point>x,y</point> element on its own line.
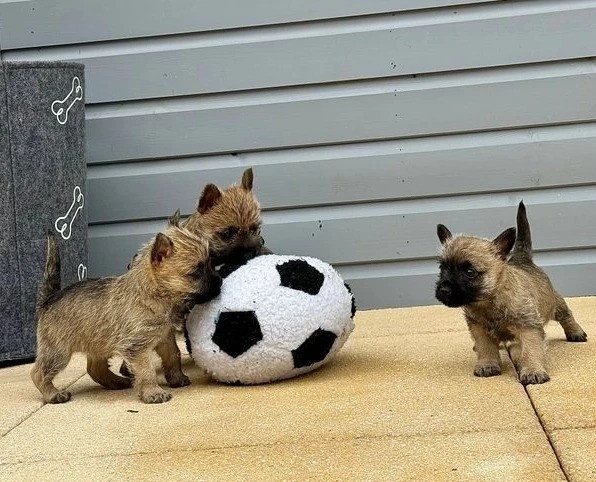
<point>276,317</point>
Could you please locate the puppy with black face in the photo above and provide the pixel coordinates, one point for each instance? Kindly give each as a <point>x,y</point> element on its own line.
<point>505,298</point>
<point>470,266</point>
<point>232,219</point>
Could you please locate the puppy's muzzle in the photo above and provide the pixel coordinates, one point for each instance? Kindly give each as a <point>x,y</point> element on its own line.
<point>446,295</point>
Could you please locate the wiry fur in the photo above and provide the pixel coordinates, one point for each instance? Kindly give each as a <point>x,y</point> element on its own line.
<point>128,315</point>
<point>51,275</point>
<point>221,212</point>
<point>232,218</point>
<point>505,298</point>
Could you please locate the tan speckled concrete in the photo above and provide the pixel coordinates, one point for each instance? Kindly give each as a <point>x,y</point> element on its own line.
<point>398,403</point>
<point>19,398</point>
<point>479,456</point>
<point>400,321</point>
<point>567,404</point>
<point>577,452</point>
<point>569,399</point>
<point>403,385</point>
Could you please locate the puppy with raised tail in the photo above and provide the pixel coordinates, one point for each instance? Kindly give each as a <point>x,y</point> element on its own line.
<point>128,316</point>
<point>506,298</point>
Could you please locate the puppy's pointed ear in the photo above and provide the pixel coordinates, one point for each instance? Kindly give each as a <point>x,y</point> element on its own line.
<point>209,198</point>
<point>504,242</point>
<point>443,233</point>
<point>247,179</point>
<point>174,219</point>
<point>161,249</point>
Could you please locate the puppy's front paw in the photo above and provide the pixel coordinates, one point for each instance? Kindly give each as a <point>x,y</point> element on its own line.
<point>533,378</point>
<point>578,336</point>
<point>487,370</point>
<point>60,397</point>
<point>155,395</point>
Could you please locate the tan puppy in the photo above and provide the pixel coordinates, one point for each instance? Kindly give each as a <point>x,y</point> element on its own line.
<point>231,218</point>
<point>128,315</point>
<point>505,299</point>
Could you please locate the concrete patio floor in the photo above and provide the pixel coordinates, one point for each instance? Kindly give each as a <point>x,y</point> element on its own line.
<point>398,403</point>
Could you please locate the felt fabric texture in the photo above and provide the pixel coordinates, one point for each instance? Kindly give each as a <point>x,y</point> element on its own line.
<point>259,330</point>
<point>42,163</point>
<point>10,307</point>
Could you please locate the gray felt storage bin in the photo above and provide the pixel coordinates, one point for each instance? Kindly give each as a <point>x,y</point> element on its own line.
<point>42,186</point>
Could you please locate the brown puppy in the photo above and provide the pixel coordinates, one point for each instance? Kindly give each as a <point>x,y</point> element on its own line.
<point>231,217</point>
<point>129,315</point>
<point>505,298</point>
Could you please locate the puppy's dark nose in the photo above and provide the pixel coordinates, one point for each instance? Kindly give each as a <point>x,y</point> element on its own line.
<point>444,290</point>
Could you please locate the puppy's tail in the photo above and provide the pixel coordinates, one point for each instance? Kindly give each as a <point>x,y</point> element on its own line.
<point>51,275</point>
<point>522,249</point>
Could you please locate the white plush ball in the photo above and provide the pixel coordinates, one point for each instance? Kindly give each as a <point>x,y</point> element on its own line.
<point>276,317</point>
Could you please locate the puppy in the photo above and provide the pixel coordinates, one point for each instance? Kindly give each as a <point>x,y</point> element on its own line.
<point>232,218</point>
<point>504,298</point>
<point>128,315</point>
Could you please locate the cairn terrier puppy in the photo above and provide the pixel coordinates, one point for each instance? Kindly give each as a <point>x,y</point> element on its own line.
<point>231,218</point>
<point>129,315</point>
<point>506,298</point>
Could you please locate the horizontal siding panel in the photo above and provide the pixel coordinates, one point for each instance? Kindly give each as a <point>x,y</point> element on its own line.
<point>506,160</point>
<point>363,49</point>
<point>36,23</point>
<point>401,230</point>
<point>494,99</point>
<point>412,283</point>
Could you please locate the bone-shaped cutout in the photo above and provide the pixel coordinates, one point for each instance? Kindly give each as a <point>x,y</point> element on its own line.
<point>64,223</point>
<point>82,272</point>
<point>58,106</point>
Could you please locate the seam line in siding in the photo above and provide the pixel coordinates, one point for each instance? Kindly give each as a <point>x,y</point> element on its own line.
<point>301,29</point>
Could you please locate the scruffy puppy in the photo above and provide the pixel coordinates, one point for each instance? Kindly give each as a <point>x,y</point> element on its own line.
<point>128,316</point>
<point>231,217</point>
<point>505,298</point>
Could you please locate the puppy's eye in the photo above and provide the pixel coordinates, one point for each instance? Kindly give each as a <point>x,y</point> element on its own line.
<point>471,272</point>
<point>228,234</point>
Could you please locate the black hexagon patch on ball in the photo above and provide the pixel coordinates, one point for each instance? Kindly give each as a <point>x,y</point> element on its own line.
<point>297,274</point>
<point>314,349</point>
<point>237,331</point>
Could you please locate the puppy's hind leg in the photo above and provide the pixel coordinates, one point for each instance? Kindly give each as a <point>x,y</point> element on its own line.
<point>573,332</point>
<point>50,362</point>
<point>99,371</point>
<point>531,355</point>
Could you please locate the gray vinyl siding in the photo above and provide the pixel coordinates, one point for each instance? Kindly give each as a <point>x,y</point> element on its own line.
<point>367,123</point>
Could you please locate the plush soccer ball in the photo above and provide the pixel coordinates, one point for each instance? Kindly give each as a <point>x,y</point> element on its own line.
<point>276,317</point>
